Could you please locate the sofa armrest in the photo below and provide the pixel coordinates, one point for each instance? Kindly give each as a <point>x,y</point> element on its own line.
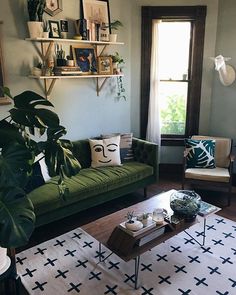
<point>146,152</point>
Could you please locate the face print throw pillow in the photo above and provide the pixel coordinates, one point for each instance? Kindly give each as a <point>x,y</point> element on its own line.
<point>105,152</point>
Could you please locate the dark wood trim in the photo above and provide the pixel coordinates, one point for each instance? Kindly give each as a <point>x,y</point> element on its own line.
<point>171,169</point>
<point>193,106</point>
<point>196,14</point>
<point>146,46</point>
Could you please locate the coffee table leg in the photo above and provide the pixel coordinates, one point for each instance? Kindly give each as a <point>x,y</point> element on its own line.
<point>204,234</point>
<point>136,271</point>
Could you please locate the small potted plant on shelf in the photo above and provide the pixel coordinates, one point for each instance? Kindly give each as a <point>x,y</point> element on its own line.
<point>18,150</point>
<point>70,61</point>
<point>45,29</point>
<point>117,61</point>
<point>35,23</point>
<point>37,70</point>
<point>114,26</point>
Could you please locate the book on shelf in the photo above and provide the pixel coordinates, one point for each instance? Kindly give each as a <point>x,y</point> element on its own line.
<point>207,208</point>
<point>151,225</point>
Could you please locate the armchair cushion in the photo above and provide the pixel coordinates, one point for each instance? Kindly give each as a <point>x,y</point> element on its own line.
<point>200,153</point>
<point>217,174</point>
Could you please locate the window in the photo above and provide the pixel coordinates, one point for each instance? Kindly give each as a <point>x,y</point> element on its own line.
<point>181,40</point>
<point>174,45</point>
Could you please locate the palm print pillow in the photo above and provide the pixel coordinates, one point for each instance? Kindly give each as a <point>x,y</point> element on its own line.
<point>200,153</point>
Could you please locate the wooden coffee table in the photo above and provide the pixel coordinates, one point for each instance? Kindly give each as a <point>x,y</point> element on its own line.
<point>105,230</point>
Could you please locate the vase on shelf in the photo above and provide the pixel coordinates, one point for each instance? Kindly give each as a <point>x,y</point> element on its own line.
<point>113,37</point>
<point>35,29</point>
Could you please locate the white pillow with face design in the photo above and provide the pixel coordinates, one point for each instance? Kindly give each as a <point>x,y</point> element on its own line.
<point>105,152</point>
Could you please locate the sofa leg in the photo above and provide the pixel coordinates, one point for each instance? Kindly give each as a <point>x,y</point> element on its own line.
<point>145,192</point>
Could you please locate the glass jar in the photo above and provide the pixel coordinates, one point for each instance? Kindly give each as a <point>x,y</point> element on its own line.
<point>158,215</point>
<point>185,203</point>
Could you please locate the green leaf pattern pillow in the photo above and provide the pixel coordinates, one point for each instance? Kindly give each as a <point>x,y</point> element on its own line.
<point>200,153</point>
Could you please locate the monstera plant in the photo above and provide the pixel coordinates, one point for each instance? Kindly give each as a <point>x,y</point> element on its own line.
<point>19,145</point>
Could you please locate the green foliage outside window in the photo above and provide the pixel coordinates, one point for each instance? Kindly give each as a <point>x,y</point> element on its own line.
<point>173,117</point>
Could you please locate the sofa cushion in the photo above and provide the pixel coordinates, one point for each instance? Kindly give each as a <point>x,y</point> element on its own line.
<point>126,151</point>
<point>105,152</point>
<point>88,183</point>
<point>200,153</point>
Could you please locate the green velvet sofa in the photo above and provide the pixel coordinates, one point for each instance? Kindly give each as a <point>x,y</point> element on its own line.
<point>93,186</point>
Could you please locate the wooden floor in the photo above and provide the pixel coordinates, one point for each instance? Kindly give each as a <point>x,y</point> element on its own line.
<point>166,182</point>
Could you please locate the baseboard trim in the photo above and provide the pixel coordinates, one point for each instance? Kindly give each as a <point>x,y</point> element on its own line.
<point>171,168</point>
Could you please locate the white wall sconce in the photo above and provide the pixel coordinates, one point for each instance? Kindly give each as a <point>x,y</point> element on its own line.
<point>226,72</point>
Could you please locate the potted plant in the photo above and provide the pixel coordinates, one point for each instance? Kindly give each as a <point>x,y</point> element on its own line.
<point>132,224</point>
<point>18,150</point>
<point>114,26</point>
<point>37,70</point>
<point>117,60</point>
<point>45,29</point>
<point>35,23</point>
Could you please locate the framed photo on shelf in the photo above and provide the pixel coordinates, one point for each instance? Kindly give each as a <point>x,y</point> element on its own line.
<point>53,7</point>
<point>54,29</point>
<point>97,13</point>
<point>85,58</point>
<point>64,25</point>
<point>105,65</point>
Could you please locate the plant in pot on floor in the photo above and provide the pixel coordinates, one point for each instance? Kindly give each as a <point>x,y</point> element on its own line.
<point>18,149</point>
<point>35,23</point>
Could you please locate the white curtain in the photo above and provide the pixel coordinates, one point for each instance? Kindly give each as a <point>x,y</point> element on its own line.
<point>153,127</point>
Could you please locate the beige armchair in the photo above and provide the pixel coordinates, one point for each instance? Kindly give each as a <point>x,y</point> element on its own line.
<point>218,177</point>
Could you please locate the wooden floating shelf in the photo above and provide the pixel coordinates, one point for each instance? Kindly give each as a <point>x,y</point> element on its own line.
<point>74,76</point>
<point>49,87</point>
<point>60,40</point>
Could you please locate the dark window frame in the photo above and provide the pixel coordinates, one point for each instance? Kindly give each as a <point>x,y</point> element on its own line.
<point>197,15</point>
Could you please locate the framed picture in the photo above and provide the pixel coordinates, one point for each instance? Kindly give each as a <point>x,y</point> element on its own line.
<point>54,29</point>
<point>64,25</point>
<point>85,58</point>
<point>53,7</point>
<point>96,11</point>
<point>105,65</point>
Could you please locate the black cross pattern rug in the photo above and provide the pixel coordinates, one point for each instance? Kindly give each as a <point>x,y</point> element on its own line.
<point>69,264</point>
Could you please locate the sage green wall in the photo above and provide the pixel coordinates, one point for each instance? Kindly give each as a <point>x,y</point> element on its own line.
<point>174,154</point>
<point>81,111</point>
<point>223,108</point>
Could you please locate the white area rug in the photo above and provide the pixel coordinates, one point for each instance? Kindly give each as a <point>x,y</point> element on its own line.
<point>68,264</point>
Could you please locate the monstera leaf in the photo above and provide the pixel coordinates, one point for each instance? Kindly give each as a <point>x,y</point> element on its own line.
<point>16,217</point>
<point>9,133</point>
<point>27,111</point>
<point>58,155</point>
<point>15,165</point>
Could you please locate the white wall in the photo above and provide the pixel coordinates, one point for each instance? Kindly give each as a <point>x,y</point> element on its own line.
<point>81,111</point>
<point>223,108</point>
<point>209,50</point>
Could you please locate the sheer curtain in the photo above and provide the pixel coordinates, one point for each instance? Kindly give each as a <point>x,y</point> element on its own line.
<point>153,127</point>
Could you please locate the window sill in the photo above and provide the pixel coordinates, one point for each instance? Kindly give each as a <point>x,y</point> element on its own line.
<point>172,141</point>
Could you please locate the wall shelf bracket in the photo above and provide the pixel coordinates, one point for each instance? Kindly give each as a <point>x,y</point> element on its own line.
<point>48,87</point>
<point>100,85</point>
